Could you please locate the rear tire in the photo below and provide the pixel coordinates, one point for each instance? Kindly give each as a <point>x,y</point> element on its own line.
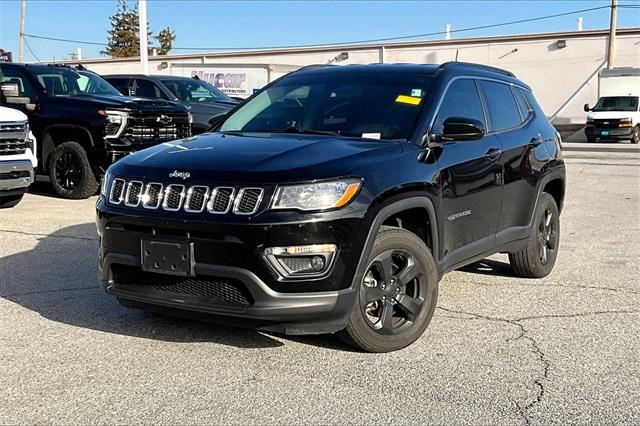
<point>10,201</point>
<point>537,258</point>
<point>636,135</point>
<point>70,172</point>
<point>397,296</point>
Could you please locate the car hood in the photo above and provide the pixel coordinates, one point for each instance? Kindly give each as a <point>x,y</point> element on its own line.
<point>10,114</point>
<point>120,102</point>
<point>604,115</point>
<point>263,158</point>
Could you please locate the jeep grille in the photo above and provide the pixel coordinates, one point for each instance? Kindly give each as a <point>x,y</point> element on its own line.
<point>193,199</point>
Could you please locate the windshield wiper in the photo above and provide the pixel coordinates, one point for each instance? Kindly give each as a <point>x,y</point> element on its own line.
<point>300,130</point>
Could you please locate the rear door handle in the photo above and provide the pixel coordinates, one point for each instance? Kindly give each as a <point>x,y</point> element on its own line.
<point>493,153</point>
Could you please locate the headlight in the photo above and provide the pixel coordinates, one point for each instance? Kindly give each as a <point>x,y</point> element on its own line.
<point>105,183</point>
<point>116,121</point>
<point>316,196</point>
<point>625,122</point>
<point>589,121</point>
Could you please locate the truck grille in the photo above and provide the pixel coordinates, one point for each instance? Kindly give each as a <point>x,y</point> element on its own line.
<point>194,199</point>
<point>612,123</point>
<point>217,290</point>
<point>146,128</point>
<point>13,138</point>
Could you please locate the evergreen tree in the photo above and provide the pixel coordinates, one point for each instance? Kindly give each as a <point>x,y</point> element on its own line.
<point>165,37</point>
<point>123,37</point>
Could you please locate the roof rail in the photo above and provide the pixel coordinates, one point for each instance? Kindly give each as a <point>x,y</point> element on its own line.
<point>478,66</point>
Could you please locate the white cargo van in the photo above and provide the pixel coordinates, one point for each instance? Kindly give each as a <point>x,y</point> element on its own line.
<point>616,115</point>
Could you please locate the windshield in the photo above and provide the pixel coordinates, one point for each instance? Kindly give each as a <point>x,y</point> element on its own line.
<point>59,81</point>
<point>194,91</point>
<point>366,104</point>
<point>617,103</point>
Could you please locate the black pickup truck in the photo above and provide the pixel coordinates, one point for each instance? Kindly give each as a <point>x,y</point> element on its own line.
<point>82,124</point>
<point>334,200</point>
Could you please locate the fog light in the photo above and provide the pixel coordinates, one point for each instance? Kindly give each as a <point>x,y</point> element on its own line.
<point>311,261</point>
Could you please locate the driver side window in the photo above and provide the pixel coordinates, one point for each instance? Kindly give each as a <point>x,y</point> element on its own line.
<point>460,100</point>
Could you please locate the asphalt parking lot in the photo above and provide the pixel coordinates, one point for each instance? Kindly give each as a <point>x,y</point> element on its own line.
<point>500,349</point>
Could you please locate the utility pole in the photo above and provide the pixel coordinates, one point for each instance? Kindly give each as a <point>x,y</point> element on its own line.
<point>611,54</point>
<point>23,12</point>
<point>144,49</point>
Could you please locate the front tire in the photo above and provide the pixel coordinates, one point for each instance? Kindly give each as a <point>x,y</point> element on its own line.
<point>11,201</point>
<point>636,135</point>
<point>70,172</point>
<point>397,296</point>
<point>537,258</point>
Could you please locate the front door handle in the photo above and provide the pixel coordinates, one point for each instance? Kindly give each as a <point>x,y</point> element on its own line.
<point>493,153</point>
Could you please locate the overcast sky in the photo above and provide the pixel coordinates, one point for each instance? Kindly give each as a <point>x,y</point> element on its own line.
<point>220,24</point>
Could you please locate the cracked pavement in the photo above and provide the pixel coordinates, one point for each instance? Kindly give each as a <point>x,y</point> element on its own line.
<point>499,350</point>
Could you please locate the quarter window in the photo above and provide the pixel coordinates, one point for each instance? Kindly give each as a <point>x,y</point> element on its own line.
<point>461,100</point>
<point>503,110</point>
<point>523,105</point>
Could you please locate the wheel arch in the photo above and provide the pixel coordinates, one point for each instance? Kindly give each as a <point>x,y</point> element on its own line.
<point>57,134</point>
<point>409,209</point>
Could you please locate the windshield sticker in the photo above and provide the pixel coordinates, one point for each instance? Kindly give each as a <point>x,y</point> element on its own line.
<point>416,92</point>
<point>404,99</point>
<point>371,136</point>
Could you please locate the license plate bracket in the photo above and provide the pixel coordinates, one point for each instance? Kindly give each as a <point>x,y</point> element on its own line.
<point>167,257</point>
<point>604,133</point>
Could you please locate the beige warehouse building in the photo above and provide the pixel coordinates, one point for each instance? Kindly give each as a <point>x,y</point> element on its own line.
<point>561,67</point>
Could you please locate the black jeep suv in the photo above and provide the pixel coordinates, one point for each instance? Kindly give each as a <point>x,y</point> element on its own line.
<point>334,199</point>
<point>203,99</point>
<point>82,124</point>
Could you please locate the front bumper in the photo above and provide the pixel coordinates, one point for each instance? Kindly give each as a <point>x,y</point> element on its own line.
<point>17,174</point>
<point>230,257</point>
<point>613,133</point>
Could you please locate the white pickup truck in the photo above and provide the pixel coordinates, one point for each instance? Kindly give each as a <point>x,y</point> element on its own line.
<point>17,156</point>
<point>616,115</point>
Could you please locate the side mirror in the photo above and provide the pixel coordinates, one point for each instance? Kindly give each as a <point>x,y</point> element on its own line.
<point>586,108</point>
<point>10,90</point>
<point>216,120</point>
<point>462,129</point>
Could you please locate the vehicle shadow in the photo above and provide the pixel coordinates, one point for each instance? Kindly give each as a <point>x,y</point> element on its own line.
<point>58,280</point>
<point>489,267</point>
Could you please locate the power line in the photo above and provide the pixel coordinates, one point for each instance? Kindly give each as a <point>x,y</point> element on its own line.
<point>31,50</point>
<point>480,27</point>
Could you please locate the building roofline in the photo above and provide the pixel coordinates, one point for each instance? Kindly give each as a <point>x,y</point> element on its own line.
<point>368,46</point>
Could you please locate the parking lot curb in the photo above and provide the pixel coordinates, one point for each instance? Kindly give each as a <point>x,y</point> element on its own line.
<point>601,147</point>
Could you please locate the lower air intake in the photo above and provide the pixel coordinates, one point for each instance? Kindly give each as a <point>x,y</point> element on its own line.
<point>216,290</point>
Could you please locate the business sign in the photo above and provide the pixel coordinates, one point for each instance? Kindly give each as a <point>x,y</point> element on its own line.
<point>240,81</point>
<point>5,56</point>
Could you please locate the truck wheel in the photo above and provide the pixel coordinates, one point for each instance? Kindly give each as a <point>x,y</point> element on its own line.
<point>591,140</point>
<point>397,295</point>
<point>11,201</point>
<point>537,257</point>
<point>636,135</point>
<point>70,172</point>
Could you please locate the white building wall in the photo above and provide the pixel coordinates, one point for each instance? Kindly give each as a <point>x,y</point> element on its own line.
<point>563,79</point>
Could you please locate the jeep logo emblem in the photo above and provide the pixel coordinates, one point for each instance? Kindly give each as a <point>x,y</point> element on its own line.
<point>164,119</point>
<point>181,175</point>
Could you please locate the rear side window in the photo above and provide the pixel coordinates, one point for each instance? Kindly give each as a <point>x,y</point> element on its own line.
<point>460,100</point>
<point>122,84</point>
<point>503,110</point>
<point>523,105</point>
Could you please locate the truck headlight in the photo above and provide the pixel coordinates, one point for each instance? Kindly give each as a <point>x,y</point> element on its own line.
<point>625,122</point>
<point>316,196</point>
<point>115,122</point>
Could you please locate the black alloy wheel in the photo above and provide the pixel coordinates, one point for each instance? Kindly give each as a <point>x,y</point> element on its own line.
<point>397,295</point>
<point>69,171</point>
<point>390,296</point>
